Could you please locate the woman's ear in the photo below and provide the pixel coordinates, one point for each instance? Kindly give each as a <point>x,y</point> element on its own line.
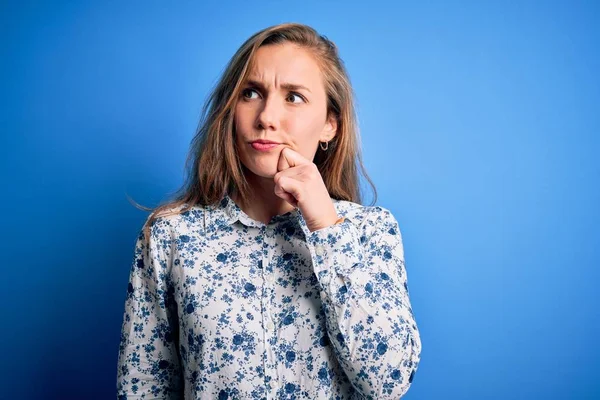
<point>330,129</point>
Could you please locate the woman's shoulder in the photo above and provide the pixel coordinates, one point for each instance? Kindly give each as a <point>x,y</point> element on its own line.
<point>171,218</point>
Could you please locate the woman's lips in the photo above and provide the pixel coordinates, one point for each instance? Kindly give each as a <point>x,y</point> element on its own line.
<point>264,146</point>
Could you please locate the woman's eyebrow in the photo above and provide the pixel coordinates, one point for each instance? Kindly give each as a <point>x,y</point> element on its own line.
<point>285,85</point>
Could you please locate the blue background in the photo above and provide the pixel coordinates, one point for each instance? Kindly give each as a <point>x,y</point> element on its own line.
<point>480,128</point>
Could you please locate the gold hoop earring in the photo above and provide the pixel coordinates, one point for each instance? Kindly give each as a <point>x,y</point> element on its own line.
<point>326,145</point>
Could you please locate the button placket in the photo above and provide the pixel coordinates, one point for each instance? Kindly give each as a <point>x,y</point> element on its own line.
<point>265,301</point>
<point>270,278</point>
<point>268,317</point>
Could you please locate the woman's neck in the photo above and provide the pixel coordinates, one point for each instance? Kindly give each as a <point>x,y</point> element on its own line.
<point>263,204</point>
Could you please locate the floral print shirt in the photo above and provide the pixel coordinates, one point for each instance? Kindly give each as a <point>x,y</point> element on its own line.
<point>221,306</point>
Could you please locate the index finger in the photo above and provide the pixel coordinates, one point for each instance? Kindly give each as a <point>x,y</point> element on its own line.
<point>289,158</point>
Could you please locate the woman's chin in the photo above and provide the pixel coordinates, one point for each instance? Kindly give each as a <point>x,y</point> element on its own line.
<point>264,171</point>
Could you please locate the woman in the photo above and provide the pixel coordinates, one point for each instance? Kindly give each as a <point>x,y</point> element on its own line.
<point>266,278</point>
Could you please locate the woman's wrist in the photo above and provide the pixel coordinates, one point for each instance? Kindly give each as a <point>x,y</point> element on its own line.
<point>334,221</point>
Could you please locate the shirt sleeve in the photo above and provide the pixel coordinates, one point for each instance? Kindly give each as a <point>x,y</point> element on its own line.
<point>148,363</point>
<point>366,302</point>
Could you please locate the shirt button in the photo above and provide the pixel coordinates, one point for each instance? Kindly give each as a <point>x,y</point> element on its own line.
<point>319,250</point>
<point>323,296</point>
<point>270,325</point>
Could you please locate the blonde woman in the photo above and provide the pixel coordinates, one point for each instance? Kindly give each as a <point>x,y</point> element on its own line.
<point>265,278</point>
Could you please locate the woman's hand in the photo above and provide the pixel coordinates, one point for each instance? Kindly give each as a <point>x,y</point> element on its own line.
<point>299,182</point>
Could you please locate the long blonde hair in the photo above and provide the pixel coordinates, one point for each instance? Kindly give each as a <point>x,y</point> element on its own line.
<point>213,166</point>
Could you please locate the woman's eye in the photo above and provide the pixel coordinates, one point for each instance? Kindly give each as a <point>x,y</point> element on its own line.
<point>248,91</point>
<point>296,95</point>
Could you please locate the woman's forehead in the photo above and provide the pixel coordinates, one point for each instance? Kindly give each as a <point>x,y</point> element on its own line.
<point>285,63</point>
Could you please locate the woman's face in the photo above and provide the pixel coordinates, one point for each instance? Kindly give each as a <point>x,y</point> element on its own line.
<point>284,101</point>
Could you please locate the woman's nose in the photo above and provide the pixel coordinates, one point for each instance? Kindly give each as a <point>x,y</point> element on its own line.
<point>268,118</point>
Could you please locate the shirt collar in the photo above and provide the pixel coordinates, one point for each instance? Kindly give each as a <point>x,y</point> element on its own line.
<point>228,212</point>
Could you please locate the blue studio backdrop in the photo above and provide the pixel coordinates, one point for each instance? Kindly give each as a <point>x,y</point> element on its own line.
<point>479,124</point>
